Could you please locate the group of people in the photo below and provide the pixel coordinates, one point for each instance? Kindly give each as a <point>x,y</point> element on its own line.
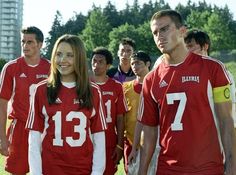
<point>66,120</point>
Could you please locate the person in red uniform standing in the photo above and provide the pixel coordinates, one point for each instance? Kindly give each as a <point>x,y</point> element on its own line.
<point>188,95</point>
<point>115,105</point>
<point>67,112</point>
<point>17,82</point>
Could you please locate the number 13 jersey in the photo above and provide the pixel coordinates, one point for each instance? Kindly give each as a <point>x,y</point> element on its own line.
<point>66,128</point>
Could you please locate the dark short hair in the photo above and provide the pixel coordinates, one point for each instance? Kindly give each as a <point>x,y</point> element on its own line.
<point>105,52</point>
<point>34,30</point>
<point>141,55</point>
<point>128,41</point>
<point>199,36</point>
<point>174,16</point>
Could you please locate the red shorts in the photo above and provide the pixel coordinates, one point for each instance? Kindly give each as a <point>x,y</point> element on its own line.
<point>111,167</point>
<point>17,161</point>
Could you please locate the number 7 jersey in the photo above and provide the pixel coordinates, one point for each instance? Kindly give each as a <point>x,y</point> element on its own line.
<point>179,98</point>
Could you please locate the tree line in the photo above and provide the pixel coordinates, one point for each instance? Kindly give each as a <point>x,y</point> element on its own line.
<point>106,26</point>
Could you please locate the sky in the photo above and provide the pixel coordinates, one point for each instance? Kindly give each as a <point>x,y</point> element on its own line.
<point>42,13</point>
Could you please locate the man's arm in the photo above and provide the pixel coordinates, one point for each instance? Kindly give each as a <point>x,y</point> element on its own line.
<point>136,143</point>
<point>150,139</point>
<point>223,112</point>
<point>4,143</point>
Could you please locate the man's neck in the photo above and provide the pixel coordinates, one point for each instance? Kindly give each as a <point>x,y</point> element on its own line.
<point>100,79</point>
<point>125,67</point>
<point>178,55</point>
<point>34,60</point>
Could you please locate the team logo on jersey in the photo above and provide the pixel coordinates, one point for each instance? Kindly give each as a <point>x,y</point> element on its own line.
<point>107,93</point>
<point>190,78</point>
<point>227,93</point>
<point>58,100</point>
<point>76,101</point>
<point>23,75</point>
<point>41,76</point>
<point>163,83</point>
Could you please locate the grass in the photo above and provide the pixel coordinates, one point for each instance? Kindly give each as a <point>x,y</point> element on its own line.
<point>3,172</point>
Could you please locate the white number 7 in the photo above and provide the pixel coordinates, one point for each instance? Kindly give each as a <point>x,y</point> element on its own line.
<point>177,125</point>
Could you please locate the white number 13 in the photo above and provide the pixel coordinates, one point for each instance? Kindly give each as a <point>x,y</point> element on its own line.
<point>177,125</point>
<point>57,141</point>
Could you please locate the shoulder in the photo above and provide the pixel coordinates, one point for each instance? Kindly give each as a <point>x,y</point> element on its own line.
<point>114,82</point>
<point>128,85</point>
<point>11,65</point>
<point>45,61</point>
<point>95,88</point>
<point>41,86</point>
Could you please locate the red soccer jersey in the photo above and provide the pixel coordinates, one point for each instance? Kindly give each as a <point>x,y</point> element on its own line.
<point>17,83</point>
<point>67,142</point>
<point>179,98</point>
<point>115,104</point>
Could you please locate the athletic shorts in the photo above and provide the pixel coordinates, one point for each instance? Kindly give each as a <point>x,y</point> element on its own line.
<point>111,167</point>
<point>17,161</point>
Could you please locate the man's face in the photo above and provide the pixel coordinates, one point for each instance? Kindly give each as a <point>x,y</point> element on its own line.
<point>99,65</point>
<point>194,47</point>
<point>165,34</point>
<point>30,46</point>
<point>124,53</point>
<point>138,67</point>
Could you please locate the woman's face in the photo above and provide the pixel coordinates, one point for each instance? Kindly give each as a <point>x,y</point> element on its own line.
<point>65,60</point>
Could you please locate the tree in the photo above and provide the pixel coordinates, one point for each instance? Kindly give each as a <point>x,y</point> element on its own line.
<point>145,40</point>
<point>112,15</point>
<point>2,63</point>
<point>120,32</point>
<point>55,32</point>
<point>75,24</point>
<point>96,32</point>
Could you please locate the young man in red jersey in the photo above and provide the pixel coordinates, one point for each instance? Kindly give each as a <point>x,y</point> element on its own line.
<point>199,42</point>
<point>115,105</point>
<point>188,96</point>
<point>17,82</point>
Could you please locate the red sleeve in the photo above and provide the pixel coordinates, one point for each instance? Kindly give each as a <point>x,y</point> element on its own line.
<point>98,122</point>
<point>148,112</point>
<point>6,81</point>
<point>219,74</point>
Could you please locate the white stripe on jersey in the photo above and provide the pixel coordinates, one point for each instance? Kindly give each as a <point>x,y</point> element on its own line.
<point>101,113</point>
<point>211,102</point>
<point>31,114</point>
<point>222,66</point>
<point>140,108</point>
<point>3,73</point>
<point>46,125</point>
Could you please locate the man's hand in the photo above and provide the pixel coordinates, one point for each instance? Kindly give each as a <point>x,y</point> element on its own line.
<point>4,144</point>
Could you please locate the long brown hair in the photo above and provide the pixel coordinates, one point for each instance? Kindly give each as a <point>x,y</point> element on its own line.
<point>83,87</point>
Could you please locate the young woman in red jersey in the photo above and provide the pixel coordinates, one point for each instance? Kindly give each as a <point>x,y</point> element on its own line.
<point>68,114</point>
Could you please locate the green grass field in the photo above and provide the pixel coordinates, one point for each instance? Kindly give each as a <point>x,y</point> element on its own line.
<point>3,172</point>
